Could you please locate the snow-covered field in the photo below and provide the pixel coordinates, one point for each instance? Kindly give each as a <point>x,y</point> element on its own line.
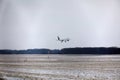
<point>59,67</point>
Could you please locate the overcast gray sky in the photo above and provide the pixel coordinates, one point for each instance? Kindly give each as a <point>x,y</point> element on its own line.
<point>36,23</point>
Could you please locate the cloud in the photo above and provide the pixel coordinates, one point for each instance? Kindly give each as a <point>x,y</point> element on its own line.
<point>36,23</point>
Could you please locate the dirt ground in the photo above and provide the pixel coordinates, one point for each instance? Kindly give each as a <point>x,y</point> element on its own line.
<point>59,67</point>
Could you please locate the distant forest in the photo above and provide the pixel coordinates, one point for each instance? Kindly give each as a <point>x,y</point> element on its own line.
<point>84,50</point>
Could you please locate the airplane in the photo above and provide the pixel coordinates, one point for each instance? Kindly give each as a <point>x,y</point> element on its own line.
<point>63,40</point>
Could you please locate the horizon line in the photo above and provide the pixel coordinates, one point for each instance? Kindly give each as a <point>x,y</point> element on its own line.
<point>60,49</point>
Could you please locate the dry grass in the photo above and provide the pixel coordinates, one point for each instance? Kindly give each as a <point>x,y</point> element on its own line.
<point>59,67</point>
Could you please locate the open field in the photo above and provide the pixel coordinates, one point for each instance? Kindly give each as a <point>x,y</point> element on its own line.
<point>59,67</point>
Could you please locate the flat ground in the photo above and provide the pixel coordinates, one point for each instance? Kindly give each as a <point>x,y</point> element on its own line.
<point>59,67</point>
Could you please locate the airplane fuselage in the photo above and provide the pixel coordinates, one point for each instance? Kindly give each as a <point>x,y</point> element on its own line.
<point>63,40</point>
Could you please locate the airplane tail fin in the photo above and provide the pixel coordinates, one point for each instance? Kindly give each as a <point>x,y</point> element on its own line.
<point>58,37</point>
